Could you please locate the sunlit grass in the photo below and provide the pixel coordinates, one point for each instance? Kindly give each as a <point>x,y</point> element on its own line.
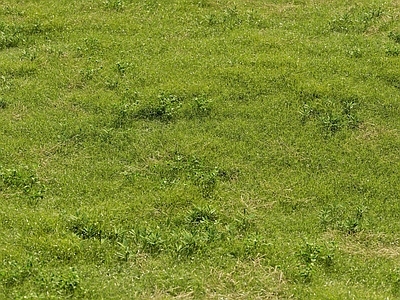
<point>199,149</point>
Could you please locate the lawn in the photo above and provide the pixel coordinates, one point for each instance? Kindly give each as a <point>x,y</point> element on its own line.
<point>199,149</point>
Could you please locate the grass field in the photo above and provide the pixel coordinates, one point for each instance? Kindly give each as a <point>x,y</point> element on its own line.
<point>199,149</point>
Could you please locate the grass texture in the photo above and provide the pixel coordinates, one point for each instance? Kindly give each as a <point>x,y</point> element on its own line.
<point>199,149</point>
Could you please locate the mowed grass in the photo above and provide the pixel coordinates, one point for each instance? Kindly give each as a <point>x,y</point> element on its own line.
<point>199,149</point>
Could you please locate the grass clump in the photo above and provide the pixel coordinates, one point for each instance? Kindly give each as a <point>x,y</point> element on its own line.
<point>313,256</point>
<point>21,183</point>
<point>202,214</point>
<point>3,103</point>
<point>10,36</point>
<point>201,106</point>
<point>165,109</point>
<point>357,19</point>
<point>117,5</point>
<point>395,36</point>
<point>347,222</point>
<point>332,115</point>
<point>65,284</point>
<point>14,272</point>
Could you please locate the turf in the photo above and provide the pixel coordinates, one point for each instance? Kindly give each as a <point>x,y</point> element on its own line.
<point>199,149</point>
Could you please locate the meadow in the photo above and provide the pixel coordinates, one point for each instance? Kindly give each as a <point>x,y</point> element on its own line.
<point>199,149</point>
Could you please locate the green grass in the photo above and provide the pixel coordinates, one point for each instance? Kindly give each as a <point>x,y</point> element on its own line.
<point>199,149</point>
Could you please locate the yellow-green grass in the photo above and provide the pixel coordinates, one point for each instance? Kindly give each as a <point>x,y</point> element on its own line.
<point>199,149</point>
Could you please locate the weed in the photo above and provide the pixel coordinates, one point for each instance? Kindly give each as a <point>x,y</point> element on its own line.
<point>165,110</point>
<point>22,71</point>
<point>307,112</point>
<point>202,214</point>
<point>349,107</point>
<point>392,51</point>
<point>10,36</point>
<point>3,103</point>
<point>168,107</point>
<point>306,272</point>
<point>5,83</point>
<point>211,20</point>
<point>331,123</point>
<point>86,228</point>
<point>231,17</point>
<point>91,46</point>
<point>254,19</point>
<point>117,5</point>
<point>355,52</point>
<point>331,116</point>
<point>245,222</point>
<point>65,283</point>
<point>312,256</point>
<point>395,36</point>
<point>249,247</point>
<point>124,252</point>
<point>124,113</point>
<point>201,106</point>
<point>228,174</point>
<point>112,84</point>
<point>29,54</point>
<point>151,241</point>
<point>392,80</point>
<point>354,224</point>
<point>356,20</point>
<point>206,181</point>
<point>326,218</point>
<point>14,273</point>
<point>310,108</point>
<point>203,3</point>
<point>123,67</point>
<point>343,23</point>
<point>195,171</point>
<point>12,11</point>
<point>117,233</point>
<point>233,73</point>
<point>25,182</point>
<point>88,74</point>
<point>187,244</point>
<point>346,221</point>
<point>394,278</point>
<point>253,245</point>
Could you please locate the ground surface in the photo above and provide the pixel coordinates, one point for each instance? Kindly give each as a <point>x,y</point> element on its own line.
<point>199,149</point>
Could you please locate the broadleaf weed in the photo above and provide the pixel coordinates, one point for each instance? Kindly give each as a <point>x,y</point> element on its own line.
<point>201,106</point>
<point>313,256</point>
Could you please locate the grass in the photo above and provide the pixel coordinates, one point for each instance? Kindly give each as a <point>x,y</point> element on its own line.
<point>199,149</point>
